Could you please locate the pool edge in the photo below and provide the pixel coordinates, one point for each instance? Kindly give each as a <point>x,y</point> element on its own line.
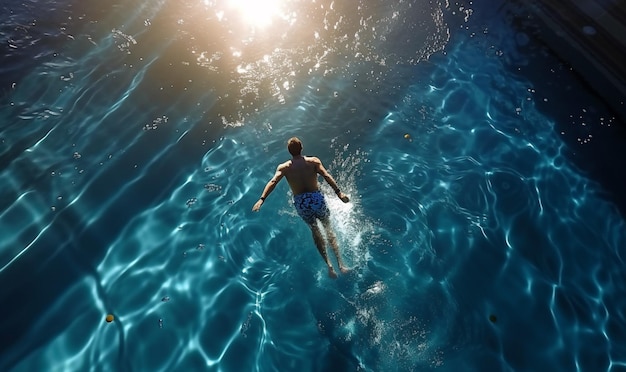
<point>587,36</point>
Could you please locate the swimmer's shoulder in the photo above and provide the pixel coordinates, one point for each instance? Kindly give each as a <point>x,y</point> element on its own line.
<point>312,160</point>
<point>283,166</point>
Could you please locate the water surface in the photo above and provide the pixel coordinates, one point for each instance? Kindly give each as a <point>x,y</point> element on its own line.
<point>136,136</point>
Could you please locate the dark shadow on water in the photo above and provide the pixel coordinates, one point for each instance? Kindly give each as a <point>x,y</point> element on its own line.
<point>340,353</point>
<point>594,132</point>
<point>334,303</point>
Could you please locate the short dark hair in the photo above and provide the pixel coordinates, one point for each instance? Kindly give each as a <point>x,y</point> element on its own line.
<point>294,145</point>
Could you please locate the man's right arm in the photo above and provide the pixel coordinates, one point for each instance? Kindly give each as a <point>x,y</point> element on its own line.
<point>269,188</point>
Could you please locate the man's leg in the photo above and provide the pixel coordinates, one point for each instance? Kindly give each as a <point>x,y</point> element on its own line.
<point>332,239</point>
<point>321,247</point>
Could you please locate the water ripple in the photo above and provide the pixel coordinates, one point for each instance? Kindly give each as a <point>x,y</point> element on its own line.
<point>133,151</point>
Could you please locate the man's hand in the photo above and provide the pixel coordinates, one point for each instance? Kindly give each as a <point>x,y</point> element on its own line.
<point>344,198</point>
<point>257,205</point>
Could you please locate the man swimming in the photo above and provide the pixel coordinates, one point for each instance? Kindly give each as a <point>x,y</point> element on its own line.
<point>301,173</point>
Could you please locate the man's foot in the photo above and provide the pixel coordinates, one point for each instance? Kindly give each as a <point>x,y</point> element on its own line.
<point>331,273</point>
<point>344,270</point>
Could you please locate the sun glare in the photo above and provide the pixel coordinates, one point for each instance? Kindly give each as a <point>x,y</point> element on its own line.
<point>257,13</point>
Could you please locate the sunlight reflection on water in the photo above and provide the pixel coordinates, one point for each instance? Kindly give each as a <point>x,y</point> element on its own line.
<point>256,13</point>
<point>269,47</point>
<point>153,145</point>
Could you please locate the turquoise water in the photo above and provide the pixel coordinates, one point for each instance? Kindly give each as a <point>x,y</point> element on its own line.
<point>136,136</point>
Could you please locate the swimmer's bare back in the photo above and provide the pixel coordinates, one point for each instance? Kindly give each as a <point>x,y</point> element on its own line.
<point>301,173</point>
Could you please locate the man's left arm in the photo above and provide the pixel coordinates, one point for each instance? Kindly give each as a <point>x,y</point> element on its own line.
<point>331,181</point>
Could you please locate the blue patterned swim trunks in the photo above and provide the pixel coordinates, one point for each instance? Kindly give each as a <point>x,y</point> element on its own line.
<point>311,205</point>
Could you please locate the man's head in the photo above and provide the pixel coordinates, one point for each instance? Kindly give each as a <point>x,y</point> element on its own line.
<point>294,146</point>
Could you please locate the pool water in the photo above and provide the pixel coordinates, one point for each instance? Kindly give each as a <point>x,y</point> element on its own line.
<point>485,230</point>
